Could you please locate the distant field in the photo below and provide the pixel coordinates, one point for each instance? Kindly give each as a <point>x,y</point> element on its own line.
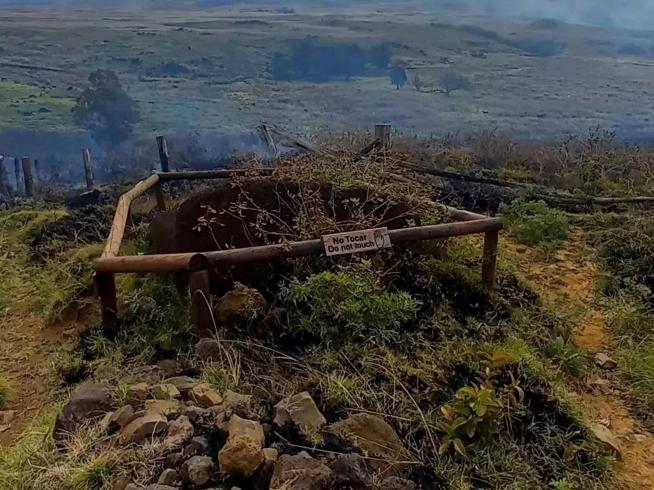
<point>200,70</point>
<point>31,107</point>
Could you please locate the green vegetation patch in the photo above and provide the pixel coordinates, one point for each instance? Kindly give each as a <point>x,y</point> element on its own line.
<point>27,106</point>
<point>534,223</point>
<point>625,247</point>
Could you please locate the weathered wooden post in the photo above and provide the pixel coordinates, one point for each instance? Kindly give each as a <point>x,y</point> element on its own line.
<point>26,163</point>
<point>88,168</point>
<point>5,188</point>
<point>105,283</point>
<point>164,157</point>
<point>161,198</point>
<point>17,174</point>
<point>383,135</point>
<point>199,287</point>
<point>489,261</point>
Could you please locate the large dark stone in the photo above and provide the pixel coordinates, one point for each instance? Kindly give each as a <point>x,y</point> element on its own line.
<point>90,402</point>
<point>351,472</point>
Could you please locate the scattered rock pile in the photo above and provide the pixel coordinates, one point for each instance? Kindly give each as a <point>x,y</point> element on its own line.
<point>213,440</point>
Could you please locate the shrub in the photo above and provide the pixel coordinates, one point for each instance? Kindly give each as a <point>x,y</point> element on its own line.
<point>453,81</point>
<point>534,223</point>
<point>627,253</point>
<point>353,299</point>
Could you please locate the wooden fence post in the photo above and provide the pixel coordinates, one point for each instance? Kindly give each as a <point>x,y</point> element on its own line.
<point>88,168</point>
<point>17,174</point>
<point>383,134</point>
<point>199,287</point>
<point>164,157</point>
<point>5,188</point>
<point>161,198</point>
<point>105,283</point>
<point>489,261</point>
<point>27,175</point>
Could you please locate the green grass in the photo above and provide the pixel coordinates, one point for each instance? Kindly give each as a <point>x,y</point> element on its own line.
<point>29,284</point>
<point>534,223</point>
<point>24,106</point>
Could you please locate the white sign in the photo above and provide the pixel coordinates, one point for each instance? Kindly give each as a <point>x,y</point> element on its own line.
<point>353,242</point>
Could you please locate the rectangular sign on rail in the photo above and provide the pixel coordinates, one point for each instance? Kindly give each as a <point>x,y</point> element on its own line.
<point>352,242</point>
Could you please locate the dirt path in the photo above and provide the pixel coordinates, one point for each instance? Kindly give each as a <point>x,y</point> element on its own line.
<point>569,281</point>
<point>27,354</point>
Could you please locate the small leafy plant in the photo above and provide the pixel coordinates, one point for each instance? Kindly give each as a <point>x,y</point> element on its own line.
<point>478,410</point>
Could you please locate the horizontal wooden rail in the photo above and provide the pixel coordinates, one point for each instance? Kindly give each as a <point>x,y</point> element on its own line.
<point>212,174</point>
<point>267,253</point>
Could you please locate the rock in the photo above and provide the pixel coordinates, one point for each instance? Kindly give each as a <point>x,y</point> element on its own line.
<point>165,391</point>
<point>243,453</point>
<point>602,385</point>
<point>235,403</point>
<point>180,432</point>
<point>195,414</point>
<point>240,304</point>
<point>199,446</point>
<point>204,396</point>
<point>606,437</point>
<point>373,436</point>
<point>120,482</point>
<point>137,393</point>
<point>151,424</point>
<point>115,421</point>
<point>300,472</point>
<point>182,383</point>
<point>605,362</point>
<point>169,477</point>
<point>157,486</point>
<point>167,408</point>
<point>89,402</point>
<point>197,470</point>
<point>302,411</point>
<point>215,416</point>
<point>395,483</point>
<point>175,460</point>
<point>207,350</point>
<point>169,367</point>
<point>270,457</point>
<point>350,471</point>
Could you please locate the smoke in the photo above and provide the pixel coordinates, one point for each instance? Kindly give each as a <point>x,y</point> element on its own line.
<point>631,14</point>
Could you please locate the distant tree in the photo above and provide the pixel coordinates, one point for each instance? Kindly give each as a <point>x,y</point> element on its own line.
<point>417,82</point>
<point>310,59</point>
<point>105,109</point>
<point>398,76</point>
<point>380,56</point>
<point>452,81</point>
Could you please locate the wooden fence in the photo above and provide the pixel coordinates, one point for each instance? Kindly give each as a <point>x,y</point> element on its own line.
<point>198,265</point>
